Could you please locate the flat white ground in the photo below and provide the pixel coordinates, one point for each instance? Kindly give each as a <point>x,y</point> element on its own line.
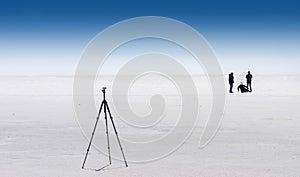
<point>259,135</point>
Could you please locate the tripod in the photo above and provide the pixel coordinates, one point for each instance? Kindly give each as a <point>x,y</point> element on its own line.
<point>106,109</point>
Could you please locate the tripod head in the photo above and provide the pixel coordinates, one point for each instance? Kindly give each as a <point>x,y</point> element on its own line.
<point>103,91</point>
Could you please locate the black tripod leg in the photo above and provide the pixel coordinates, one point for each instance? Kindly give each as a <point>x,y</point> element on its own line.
<point>106,124</point>
<point>89,146</point>
<point>111,118</point>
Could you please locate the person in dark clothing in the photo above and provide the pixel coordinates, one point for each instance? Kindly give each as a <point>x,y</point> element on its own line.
<point>249,80</point>
<point>243,88</point>
<point>231,81</point>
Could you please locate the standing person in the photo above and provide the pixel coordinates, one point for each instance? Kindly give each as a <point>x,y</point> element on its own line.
<point>231,81</point>
<point>249,80</point>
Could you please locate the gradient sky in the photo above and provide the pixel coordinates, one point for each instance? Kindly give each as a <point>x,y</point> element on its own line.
<point>48,37</point>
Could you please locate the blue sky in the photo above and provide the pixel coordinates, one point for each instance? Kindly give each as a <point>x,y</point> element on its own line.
<point>47,37</point>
